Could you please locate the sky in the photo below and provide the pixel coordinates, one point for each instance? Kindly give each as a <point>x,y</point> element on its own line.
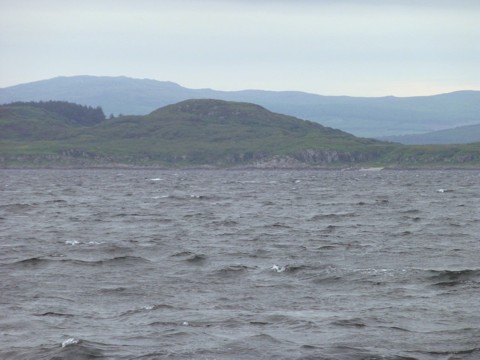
<point>329,47</point>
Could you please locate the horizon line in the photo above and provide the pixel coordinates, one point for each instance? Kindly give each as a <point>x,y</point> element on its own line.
<point>238,90</point>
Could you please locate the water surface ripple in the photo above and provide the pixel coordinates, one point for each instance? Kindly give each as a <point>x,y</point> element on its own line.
<point>210,264</point>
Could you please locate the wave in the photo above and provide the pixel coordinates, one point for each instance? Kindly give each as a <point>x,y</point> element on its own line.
<point>456,353</point>
<point>55,314</point>
<point>123,260</point>
<point>190,257</point>
<point>153,355</point>
<point>69,348</point>
<point>289,268</point>
<point>234,268</point>
<point>231,270</point>
<point>277,268</point>
<point>332,216</point>
<point>329,229</point>
<point>186,196</point>
<point>196,258</point>
<point>356,323</point>
<point>55,201</point>
<point>128,215</point>
<point>453,277</point>
<point>36,262</point>
<point>148,308</point>
<point>327,279</point>
<point>257,345</point>
<point>74,348</point>
<point>410,211</point>
<point>412,218</point>
<point>264,338</point>
<point>357,353</point>
<point>225,223</point>
<point>17,206</point>
<point>114,290</point>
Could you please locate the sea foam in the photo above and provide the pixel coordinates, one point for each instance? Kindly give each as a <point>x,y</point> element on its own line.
<point>70,341</point>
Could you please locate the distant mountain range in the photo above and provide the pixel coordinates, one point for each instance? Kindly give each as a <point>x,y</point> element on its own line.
<point>459,135</point>
<point>367,117</point>
<point>198,132</point>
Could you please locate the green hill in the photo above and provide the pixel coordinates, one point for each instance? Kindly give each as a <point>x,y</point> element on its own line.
<point>30,123</point>
<point>198,133</point>
<point>192,132</point>
<point>51,120</point>
<point>228,133</point>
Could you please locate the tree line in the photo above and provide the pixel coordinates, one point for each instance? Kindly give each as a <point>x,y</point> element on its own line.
<point>80,114</point>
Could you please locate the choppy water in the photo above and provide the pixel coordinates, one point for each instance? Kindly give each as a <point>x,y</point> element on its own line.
<point>239,264</point>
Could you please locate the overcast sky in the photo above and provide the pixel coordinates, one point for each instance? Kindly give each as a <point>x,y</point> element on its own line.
<point>328,47</point>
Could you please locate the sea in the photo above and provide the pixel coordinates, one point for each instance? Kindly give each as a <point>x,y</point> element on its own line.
<point>239,264</point>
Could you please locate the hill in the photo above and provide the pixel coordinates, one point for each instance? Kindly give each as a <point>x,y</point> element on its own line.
<point>368,117</point>
<point>202,133</point>
<point>458,135</point>
<point>192,132</point>
<point>45,120</point>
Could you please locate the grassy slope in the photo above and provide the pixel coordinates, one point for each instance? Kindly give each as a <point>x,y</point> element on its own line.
<point>30,123</point>
<point>219,131</point>
<point>435,155</point>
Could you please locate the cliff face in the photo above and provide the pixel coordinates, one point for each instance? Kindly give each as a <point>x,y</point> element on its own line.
<point>326,157</point>
<point>305,160</point>
<point>73,157</point>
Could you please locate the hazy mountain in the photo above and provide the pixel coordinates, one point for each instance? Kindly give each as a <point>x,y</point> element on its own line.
<point>458,135</point>
<point>369,117</point>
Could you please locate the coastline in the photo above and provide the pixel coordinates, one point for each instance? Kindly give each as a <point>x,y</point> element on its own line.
<point>251,167</point>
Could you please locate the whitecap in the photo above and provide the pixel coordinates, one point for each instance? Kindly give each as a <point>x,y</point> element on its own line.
<point>72,242</point>
<point>160,197</point>
<point>70,341</point>
<point>156,179</point>
<point>279,268</point>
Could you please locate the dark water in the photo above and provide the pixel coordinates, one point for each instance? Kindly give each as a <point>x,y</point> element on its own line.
<point>239,264</point>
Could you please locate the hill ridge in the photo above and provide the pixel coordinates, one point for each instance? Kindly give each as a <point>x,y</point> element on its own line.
<point>361,116</point>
